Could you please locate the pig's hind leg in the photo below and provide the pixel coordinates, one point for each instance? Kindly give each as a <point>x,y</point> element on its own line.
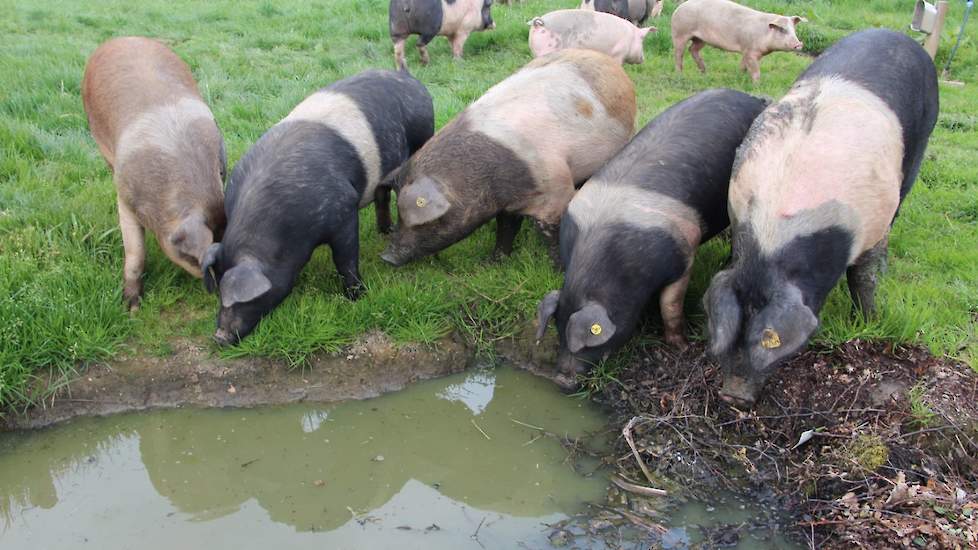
<point>458,44</point>
<point>423,47</point>
<point>345,244</point>
<point>134,243</point>
<point>863,278</point>
<point>679,50</point>
<point>507,226</point>
<point>400,62</point>
<point>694,50</point>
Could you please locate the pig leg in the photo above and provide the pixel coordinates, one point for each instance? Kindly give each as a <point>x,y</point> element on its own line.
<point>550,233</point>
<point>694,50</point>
<point>753,63</point>
<point>679,50</point>
<point>382,207</point>
<point>507,226</point>
<point>423,48</point>
<point>134,243</point>
<point>863,277</point>
<point>346,255</point>
<point>671,306</point>
<point>458,43</point>
<point>399,60</point>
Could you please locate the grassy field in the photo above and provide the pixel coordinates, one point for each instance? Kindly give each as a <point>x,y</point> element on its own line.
<point>61,251</point>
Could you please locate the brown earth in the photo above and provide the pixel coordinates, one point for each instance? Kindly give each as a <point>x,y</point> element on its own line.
<point>873,445</point>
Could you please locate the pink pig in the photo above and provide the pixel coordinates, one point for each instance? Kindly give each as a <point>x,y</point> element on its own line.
<point>732,27</point>
<point>589,30</point>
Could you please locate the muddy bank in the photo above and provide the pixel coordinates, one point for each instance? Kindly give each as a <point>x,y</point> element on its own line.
<point>193,376</point>
<point>870,445</point>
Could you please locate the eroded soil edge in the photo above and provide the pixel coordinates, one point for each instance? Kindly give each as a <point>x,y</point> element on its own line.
<point>194,376</point>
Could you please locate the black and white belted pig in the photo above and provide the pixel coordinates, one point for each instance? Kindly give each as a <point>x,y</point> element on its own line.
<point>520,149</point>
<point>633,229</point>
<point>303,183</point>
<point>815,189</point>
<point>455,19</point>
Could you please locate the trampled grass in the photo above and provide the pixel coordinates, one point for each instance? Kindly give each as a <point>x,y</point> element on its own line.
<point>61,252</point>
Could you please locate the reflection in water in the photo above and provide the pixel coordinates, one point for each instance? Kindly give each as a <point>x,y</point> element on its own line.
<point>475,392</point>
<point>420,468</point>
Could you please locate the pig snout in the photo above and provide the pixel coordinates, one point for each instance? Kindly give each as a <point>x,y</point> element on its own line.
<point>740,391</point>
<point>568,369</point>
<point>233,325</point>
<point>798,45</point>
<point>225,338</point>
<point>393,257</point>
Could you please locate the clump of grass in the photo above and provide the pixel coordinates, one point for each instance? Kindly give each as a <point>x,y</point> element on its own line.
<point>923,416</point>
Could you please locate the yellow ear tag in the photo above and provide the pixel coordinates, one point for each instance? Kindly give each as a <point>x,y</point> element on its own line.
<point>595,329</point>
<point>421,202</point>
<point>770,339</point>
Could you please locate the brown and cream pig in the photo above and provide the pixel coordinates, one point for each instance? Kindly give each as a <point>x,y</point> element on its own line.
<point>519,150</point>
<point>729,26</point>
<point>164,148</point>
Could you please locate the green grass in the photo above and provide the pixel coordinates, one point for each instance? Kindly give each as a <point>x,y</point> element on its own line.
<point>61,253</point>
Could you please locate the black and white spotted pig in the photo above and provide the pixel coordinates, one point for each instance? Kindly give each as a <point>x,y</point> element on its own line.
<point>455,19</point>
<point>302,184</point>
<point>518,150</point>
<point>815,189</point>
<point>632,230</point>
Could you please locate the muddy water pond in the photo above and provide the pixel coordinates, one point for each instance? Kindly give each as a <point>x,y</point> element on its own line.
<point>459,462</point>
<point>450,463</point>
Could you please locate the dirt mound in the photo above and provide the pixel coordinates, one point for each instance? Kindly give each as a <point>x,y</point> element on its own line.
<point>875,445</point>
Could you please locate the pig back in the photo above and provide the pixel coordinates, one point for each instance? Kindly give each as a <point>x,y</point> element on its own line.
<point>564,114</point>
<point>127,77</point>
<point>674,171</point>
<point>593,30</point>
<point>895,68</point>
<point>827,156</point>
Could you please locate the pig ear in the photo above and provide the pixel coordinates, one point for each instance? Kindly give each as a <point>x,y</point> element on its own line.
<point>589,327</point>
<point>243,283</point>
<point>209,266</point>
<point>191,236</point>
<point>786,324</point>
<point>778,23</point>
<point>798,19</point>
<point>535,22</point>
<point>723,313</point>
<point>645,31</point>
<point>545,311</point>
<point>421,202</point>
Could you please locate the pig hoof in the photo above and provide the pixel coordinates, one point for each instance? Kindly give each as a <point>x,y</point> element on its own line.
<point>132,302</point>
<point>677,341</point>
<point>354,292</point>
<point>566,382</point>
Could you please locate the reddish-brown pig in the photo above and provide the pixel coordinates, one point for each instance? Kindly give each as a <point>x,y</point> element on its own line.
<point>164,148</point>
